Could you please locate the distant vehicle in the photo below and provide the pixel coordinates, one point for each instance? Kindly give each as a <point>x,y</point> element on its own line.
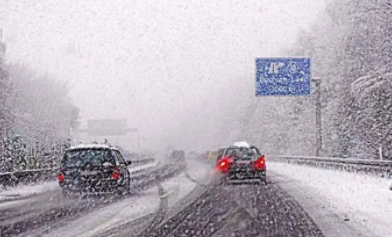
<point>241,162</point>
<point>178,156</point>
<point>94,169</point>
<point>212,155</point>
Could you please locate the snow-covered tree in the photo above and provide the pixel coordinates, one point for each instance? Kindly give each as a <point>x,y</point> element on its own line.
<point>6,117</point>
<point>44,110</point>
<point>351,52</point>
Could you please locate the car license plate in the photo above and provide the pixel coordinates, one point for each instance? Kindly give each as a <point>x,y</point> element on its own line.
<point>242,162</point>
<point>89,172</point>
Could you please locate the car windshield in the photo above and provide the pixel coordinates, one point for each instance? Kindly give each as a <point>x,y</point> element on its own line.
<point>83,157</point>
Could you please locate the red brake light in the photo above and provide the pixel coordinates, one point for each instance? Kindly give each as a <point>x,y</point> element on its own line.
<point>116,174</point>
<point>60,177</point>
<point>223,164</point>
<point>260,163</point>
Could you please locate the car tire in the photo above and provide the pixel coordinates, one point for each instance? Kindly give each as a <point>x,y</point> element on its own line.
<point>128,187</point>
<point>123,191</point>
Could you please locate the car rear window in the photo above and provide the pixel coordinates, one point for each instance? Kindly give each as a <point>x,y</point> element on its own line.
<point>83,157</point>
<point>243,153</point>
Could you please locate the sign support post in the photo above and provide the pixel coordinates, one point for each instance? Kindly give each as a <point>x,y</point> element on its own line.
<point>319,128</point>
<point>289,77</point>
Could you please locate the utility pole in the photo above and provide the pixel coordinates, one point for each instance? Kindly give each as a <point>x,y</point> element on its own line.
<point>319,129</point>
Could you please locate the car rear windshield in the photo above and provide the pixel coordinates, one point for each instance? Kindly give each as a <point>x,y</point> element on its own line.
<point>83,157</point>
<point>243,153</point>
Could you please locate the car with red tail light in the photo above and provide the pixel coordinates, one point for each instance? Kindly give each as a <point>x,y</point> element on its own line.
<point>241,162</point>
<point>94,169</point>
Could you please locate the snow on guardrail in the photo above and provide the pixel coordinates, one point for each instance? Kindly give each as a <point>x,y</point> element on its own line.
<point>380,168</point>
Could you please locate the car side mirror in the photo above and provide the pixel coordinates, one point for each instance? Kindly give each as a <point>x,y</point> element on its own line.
<point>128,162</point>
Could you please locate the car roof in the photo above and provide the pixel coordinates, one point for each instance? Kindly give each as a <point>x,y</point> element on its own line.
<point>242,144</point>
<point>93,146</point>
<point>238,147</point>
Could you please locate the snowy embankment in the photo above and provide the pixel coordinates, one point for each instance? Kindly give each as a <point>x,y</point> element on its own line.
<point>341,203</point>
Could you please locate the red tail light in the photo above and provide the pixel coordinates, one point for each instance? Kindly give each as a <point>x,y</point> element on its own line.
<point>223,165</point>
<point>260,163</point>
<point>60,177</point>
<point>116,174</point>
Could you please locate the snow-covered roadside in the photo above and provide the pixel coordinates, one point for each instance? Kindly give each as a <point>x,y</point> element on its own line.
<point>10,193</point>
<point>348,203</point>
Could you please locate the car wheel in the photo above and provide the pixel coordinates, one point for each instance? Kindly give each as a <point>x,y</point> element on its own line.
<point>128,187</point>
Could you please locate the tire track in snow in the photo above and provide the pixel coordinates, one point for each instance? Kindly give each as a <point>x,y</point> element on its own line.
<point>57,211</point>
<point>160,213</point>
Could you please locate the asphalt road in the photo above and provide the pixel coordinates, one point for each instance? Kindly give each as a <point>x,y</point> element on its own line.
<point>209,210</point>
<point>239,210</point>
<point>224,211</point>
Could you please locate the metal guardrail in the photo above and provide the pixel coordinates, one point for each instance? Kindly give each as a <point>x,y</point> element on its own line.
<point>380,168</point>
<point>143,161</point>
<point>27,176</point>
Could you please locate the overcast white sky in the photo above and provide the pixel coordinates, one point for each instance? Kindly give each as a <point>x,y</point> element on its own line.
<point>172,68</point>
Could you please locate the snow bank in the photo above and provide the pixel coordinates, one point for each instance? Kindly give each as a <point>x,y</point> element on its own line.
<point>365,202</point>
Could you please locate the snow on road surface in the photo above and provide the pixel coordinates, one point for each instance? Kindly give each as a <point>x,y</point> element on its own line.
<point>360,204</point>
<point>133,208</point>
<point>111,216</point>
<point>10,193</point>
<point>143,167</point>
<point>177,187</point>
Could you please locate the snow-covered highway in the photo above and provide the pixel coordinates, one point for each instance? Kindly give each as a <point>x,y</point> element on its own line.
<point>299,201</point>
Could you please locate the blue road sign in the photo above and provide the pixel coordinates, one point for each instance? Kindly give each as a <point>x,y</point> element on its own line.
<point>282,76</point>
